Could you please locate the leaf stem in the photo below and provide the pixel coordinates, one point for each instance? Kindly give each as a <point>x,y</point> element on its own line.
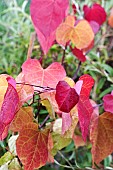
<point>65,166</point>
<point>64,55</point>
<point>65,159</point>
<point>78,68</point>
<point>43,123</point>
<point>98,105</point>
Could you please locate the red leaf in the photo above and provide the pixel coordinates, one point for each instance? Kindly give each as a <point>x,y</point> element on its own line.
<point>108,102</point>
<point>42,77</point>
<point>66,122</point>
<point>32,146</point>
<point>95,13</point>
<point>46,17</point>
<point>66,96</point>
<point>85,108</point>
<point>8,109</point>
<point>79,54</point>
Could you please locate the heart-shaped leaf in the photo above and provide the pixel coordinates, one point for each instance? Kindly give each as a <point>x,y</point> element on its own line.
<point>36,75</point>
<point>46,17</point>
<point>66,96</point>
<point>81,34</point>
<point>32,146</point>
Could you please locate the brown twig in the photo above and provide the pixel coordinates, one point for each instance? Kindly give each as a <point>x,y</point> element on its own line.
<point>45,88</point>
<point>64,55</point>
<point>31,44</point>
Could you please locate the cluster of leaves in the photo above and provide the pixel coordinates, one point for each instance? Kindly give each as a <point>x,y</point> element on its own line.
<point>68,103</point>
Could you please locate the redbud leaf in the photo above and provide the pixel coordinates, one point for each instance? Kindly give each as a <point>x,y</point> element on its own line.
<point>79,54</point>
<point>95,13</point>
<point>66,122</point>
<point>23,116</point>
<point>8,109</point>
<point>74,120</point>
<point>36,75</point>
<point>85,108</point>
<point>78,141</point>
<point>80,35</point>
<point>108,102</point>
<point>59,142</point>
<point>32,146</point>
<point>101,135</point>
<point>25,92</point>
<point>66,96</point>
<point>3,88</point>
<point>47,18</point>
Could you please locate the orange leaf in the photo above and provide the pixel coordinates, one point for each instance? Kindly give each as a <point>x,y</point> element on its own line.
<point>78,141</point>
<point>32,146</point>
<point>101,136</point>
<point>64,31</point>
<point>81,35</point>
<point>23,116</point>
<point>3,88</point>
<point>110,19</point>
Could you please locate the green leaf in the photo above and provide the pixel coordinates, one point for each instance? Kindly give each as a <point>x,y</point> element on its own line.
<point>59,142</point>
<point>5,158</point>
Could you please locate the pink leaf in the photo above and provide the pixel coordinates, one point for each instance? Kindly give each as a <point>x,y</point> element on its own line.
<point>46,42</point>
<point>79,54</point>
<point>11,81</point>
<point>108,102</point>
<point>95,26</point>
<point>36,75</point>
<point>8,109</point>
<point>85,108</point>
<point>95,13</point>
<point>46,17</point>
<point>66,96</point>
<point>25,92</point>
<point>66,122</point>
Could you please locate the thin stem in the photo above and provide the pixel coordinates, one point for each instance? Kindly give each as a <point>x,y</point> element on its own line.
<point>98,105</point>
<point>78,68</point>
<point>64,55</point>
<point>45,88</point>
<point>43,123</point>
<point>39,108</point>
<point>65,159</point>
<point>31,45</point>
<point>65,166</point>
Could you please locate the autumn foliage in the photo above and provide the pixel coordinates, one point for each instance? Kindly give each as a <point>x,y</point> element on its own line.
<point>68,103</point>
